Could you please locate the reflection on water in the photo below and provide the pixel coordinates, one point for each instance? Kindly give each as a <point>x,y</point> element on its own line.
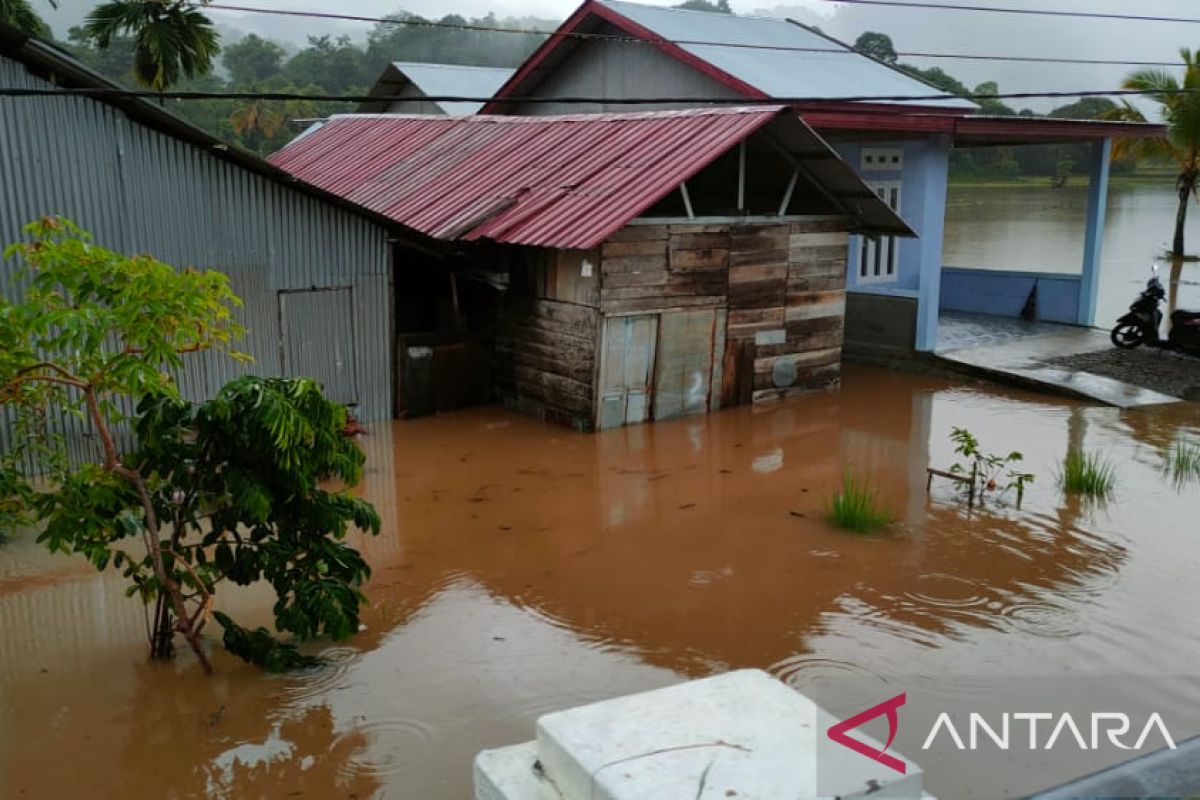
<point>524,569</point>
<point>1037,229</point>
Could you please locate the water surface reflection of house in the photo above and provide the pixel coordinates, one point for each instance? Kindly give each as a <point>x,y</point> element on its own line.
<point>657,263</point>
<point>899,140</point>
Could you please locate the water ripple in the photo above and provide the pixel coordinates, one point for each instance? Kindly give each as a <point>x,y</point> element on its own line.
<point>803,671</point>
<point>383,747</point>
<point>336,663</point>
<point>941,590</point>
<point>1043,619</point>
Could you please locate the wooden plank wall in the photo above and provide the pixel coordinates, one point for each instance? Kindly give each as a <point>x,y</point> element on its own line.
<point>545,359</point>
<point>783,285</point>
<point>657,267</point>
<point>787,305</point>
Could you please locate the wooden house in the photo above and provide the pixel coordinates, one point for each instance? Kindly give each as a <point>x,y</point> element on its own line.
<point>894,129</point>
<point>655,264</point>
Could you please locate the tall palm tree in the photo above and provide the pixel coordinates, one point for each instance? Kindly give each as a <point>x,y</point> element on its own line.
<point>20,15</point>
<point>256,122</point>
<point>172,39</point>
<point>1180,109</point>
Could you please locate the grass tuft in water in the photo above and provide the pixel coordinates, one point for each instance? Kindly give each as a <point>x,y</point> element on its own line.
<point>1183,462</point>
<point>1088,474</point>
<point>857,508</point>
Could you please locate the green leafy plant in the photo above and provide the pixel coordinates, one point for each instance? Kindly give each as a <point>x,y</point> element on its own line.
<point>1183,463</point>
<point>20,15</point>
<point>15,495</point>
<point>985,473</point>
<point>1088,474</point>
<point>230,489</point>
<point>172,39</point>
<point>1179,109</point>
<point>856,507</point>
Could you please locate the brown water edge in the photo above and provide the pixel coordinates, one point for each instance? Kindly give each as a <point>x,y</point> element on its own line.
<point>524,568</point>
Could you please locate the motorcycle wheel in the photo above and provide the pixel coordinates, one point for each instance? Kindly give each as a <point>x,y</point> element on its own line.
<point>1127,336</point>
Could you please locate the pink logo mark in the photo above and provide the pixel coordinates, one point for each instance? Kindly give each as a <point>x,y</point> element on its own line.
<point>838,733</point>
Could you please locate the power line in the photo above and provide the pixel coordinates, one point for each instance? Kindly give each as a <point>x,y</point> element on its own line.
<point>573,100</point>
<point>1039,12</point>
<point>584,36</point>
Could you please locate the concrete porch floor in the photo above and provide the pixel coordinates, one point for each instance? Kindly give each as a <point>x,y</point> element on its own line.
<point>1015,351</point>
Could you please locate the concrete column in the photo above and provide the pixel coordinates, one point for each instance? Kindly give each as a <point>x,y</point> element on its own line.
<point>931,226</point>
<point>1093,240</point>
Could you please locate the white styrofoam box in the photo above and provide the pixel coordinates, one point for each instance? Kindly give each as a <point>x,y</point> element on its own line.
<point>743,734</point>
<point>508,773</point>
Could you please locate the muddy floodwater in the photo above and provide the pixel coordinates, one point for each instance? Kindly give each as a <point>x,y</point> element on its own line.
<point>523,568</point>
<point>1038,229</point>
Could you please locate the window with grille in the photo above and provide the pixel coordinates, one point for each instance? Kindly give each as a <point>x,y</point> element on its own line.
<point>879,256</point>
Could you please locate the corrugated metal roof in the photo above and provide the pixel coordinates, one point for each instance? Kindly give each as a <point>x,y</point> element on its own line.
<point>554,181</point>
<point>440,80</point>
<point>741,56</point>
<point>779,73</point>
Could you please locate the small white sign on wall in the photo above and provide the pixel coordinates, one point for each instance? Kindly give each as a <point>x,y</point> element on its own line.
<point>585,271</point>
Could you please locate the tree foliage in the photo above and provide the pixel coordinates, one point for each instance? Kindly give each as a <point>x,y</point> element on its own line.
<point>325,65</point>
<point>172,40</point>
<point>20,15</point>
<point>1179,108</point>
<point>230,489</point>
<point>1056,161</point>
<point>252,59</point>
<point>877,45</point>
<point>719,7</point>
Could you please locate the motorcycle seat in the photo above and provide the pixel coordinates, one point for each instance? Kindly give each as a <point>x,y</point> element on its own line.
<point>1186,317</point>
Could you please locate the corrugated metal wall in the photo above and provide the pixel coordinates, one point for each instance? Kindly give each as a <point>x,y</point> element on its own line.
<point>140,191</point>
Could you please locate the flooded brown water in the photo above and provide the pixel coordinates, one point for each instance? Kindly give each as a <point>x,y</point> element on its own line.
<point>524,568</point>
<point>1038,229</point>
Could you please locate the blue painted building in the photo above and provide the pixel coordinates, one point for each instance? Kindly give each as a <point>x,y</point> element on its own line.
<point>901,148</point>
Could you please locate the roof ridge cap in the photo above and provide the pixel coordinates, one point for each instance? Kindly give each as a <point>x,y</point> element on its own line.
<point>676,9</point>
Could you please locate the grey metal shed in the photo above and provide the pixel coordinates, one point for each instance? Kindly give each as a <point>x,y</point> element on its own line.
<point>314,270</point>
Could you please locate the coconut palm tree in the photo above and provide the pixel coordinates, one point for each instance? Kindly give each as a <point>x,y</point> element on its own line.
<point>1180,110</point>
<point>172,39</point>
<point>20,15</point>
<point>257,122</point>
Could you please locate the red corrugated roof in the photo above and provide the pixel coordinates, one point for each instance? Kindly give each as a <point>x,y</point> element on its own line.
<point>563,181</point>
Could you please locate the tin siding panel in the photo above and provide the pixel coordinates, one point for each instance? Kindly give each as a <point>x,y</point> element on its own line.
<point>137,190</point>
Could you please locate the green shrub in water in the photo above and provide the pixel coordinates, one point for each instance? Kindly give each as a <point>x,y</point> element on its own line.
<point>858,508</point>
<point>1088,474</point>
<point>1183,462</point>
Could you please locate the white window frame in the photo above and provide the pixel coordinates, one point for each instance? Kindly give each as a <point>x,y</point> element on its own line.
<point>878,258</point>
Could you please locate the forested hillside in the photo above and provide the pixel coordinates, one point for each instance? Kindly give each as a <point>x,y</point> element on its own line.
<point>325,66</point>
<point>1056,161</point>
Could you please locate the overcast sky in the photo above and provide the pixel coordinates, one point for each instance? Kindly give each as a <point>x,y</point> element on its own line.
<point>911,29</point>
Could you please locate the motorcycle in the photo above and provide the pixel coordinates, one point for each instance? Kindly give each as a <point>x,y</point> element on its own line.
<point>1144,320</point>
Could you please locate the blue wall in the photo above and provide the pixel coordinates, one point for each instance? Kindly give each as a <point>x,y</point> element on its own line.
<point>1004,293</point>
<point>923,206</point>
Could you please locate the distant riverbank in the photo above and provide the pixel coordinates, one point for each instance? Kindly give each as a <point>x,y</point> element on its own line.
<point>1141,178</point>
